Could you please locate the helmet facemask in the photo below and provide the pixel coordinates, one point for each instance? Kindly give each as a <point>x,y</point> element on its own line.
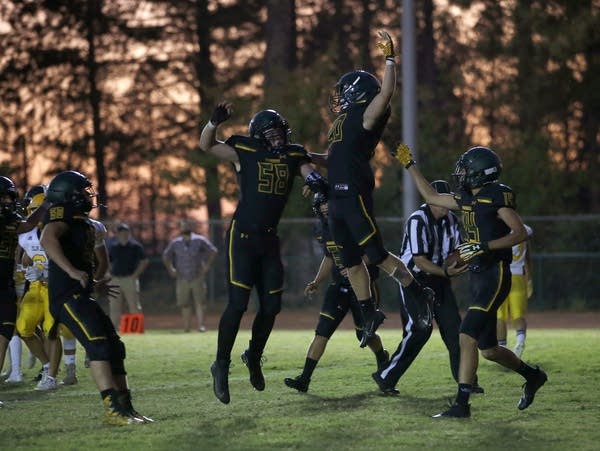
<point>271,128</point>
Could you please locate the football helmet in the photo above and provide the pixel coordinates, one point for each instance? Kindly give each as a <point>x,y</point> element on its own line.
<point>477,167</point>
<point>318,200</point>
<point>270,127</point>
<point>357,87</point>
<point>29,195</point>
<point>7,188</point>
<point>72,188</point>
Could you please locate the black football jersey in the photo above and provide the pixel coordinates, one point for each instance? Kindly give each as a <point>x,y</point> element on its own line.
<point>265,180</point>
<point>480,221</point>
<point>351,147</point>
<point>8,244</point>
<point>78,246</point>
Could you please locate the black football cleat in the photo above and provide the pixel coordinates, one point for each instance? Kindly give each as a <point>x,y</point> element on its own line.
<point>385,389</point>
<point>477,389</point>
<point>220,373</point>
<point>530,388</point>
<point>370,327</point>
<point>298,383</point>
<point>253,364</point>
<point>455,411</point>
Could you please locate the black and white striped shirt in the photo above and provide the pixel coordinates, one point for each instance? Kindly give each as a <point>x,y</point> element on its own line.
<point>424,235</point>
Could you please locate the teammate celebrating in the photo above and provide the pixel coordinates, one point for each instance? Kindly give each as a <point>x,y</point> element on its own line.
<point>362,106</point>
<point>266,164</point>
<point>339,299</point>
<point>491,226</point>
<point>11,225</point>
<point>69,239</point>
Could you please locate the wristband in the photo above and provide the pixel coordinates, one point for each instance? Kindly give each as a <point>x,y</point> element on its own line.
<point>485,247</point>
<point>210,125</point>
<point>389,61</point>
<point>410,163</point>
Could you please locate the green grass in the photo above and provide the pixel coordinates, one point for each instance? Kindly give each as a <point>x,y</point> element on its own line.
<point>170,378</point>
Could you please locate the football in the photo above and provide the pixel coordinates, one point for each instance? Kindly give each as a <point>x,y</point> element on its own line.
<point>454,257</point>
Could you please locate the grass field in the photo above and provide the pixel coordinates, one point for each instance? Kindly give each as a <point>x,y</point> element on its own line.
<point>170,379</point>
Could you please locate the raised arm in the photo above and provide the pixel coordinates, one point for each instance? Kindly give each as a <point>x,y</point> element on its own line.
<point>381,101</point>
<point>34,218</point>
<point>403,154</point>
<point>208,137</point>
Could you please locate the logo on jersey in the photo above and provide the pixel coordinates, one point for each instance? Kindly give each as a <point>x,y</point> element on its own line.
<point>341,187</point>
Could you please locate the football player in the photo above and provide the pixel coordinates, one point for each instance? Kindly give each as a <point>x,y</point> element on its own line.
<point>515,306</point>
<point>491,228</point>
<point>266,164</point>
<point>69,239</point>
<point>339,299</point>
<point>35,309</point>
<point>362,105</point>
<point>11,225</point>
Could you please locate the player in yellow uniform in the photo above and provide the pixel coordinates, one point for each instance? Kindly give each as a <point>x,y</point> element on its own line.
<point>35,307</point>
<point>514,307</point>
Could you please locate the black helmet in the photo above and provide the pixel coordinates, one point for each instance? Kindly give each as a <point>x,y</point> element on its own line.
<point>477,167</point>
<point>7,187</point>
<point>265,121</point>
<point>33,191</point>
<point>318,200</point>
<point>73,188</point>
<point>353,88</point>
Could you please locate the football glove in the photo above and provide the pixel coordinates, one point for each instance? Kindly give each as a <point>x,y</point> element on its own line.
<point>403,154</point>
<point>221,113</point>
<point>468,251</point>
<point>316,183</point>
<point>386,45</point>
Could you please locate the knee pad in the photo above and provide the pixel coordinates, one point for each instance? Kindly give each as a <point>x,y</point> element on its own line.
<point>326,326</point>
<point>118,354</point>
<point>238,299</point>
<point>99,350</point>
<point>271,304</point>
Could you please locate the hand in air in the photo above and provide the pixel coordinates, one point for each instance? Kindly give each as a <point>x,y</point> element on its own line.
<point>221,113</point>
<point>386,45</point>
<point>403,154</point>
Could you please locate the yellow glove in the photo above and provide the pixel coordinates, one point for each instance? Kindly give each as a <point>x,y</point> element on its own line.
<point>403,155</point>
<point>386,45</point>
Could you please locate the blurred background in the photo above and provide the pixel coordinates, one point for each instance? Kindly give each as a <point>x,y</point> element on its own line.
<point>120,89</point>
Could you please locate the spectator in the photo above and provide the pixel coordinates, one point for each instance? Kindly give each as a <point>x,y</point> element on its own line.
<point>188,257</point>
<point>127,262</point>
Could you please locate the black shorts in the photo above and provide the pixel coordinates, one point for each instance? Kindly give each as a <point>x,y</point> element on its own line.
<point>489,288</point>
<point>355,230</point>
<point>253,258</point>
<point>8,312</point>
<point>85,319</point>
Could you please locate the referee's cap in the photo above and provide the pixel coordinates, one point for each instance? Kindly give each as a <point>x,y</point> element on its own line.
<point>441,186</point>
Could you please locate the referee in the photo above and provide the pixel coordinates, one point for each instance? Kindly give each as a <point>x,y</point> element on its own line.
<point>431,234</point>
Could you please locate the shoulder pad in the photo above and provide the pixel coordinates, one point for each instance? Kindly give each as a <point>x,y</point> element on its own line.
<point>59,212</point>
<point>243,143</point>
<point>497,194</point>
<point>296,150</point>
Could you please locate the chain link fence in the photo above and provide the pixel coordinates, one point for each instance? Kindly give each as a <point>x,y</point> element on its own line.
<point>566,262</point>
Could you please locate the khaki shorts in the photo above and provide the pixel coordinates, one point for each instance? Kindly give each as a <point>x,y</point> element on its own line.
<point>188,291</point>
